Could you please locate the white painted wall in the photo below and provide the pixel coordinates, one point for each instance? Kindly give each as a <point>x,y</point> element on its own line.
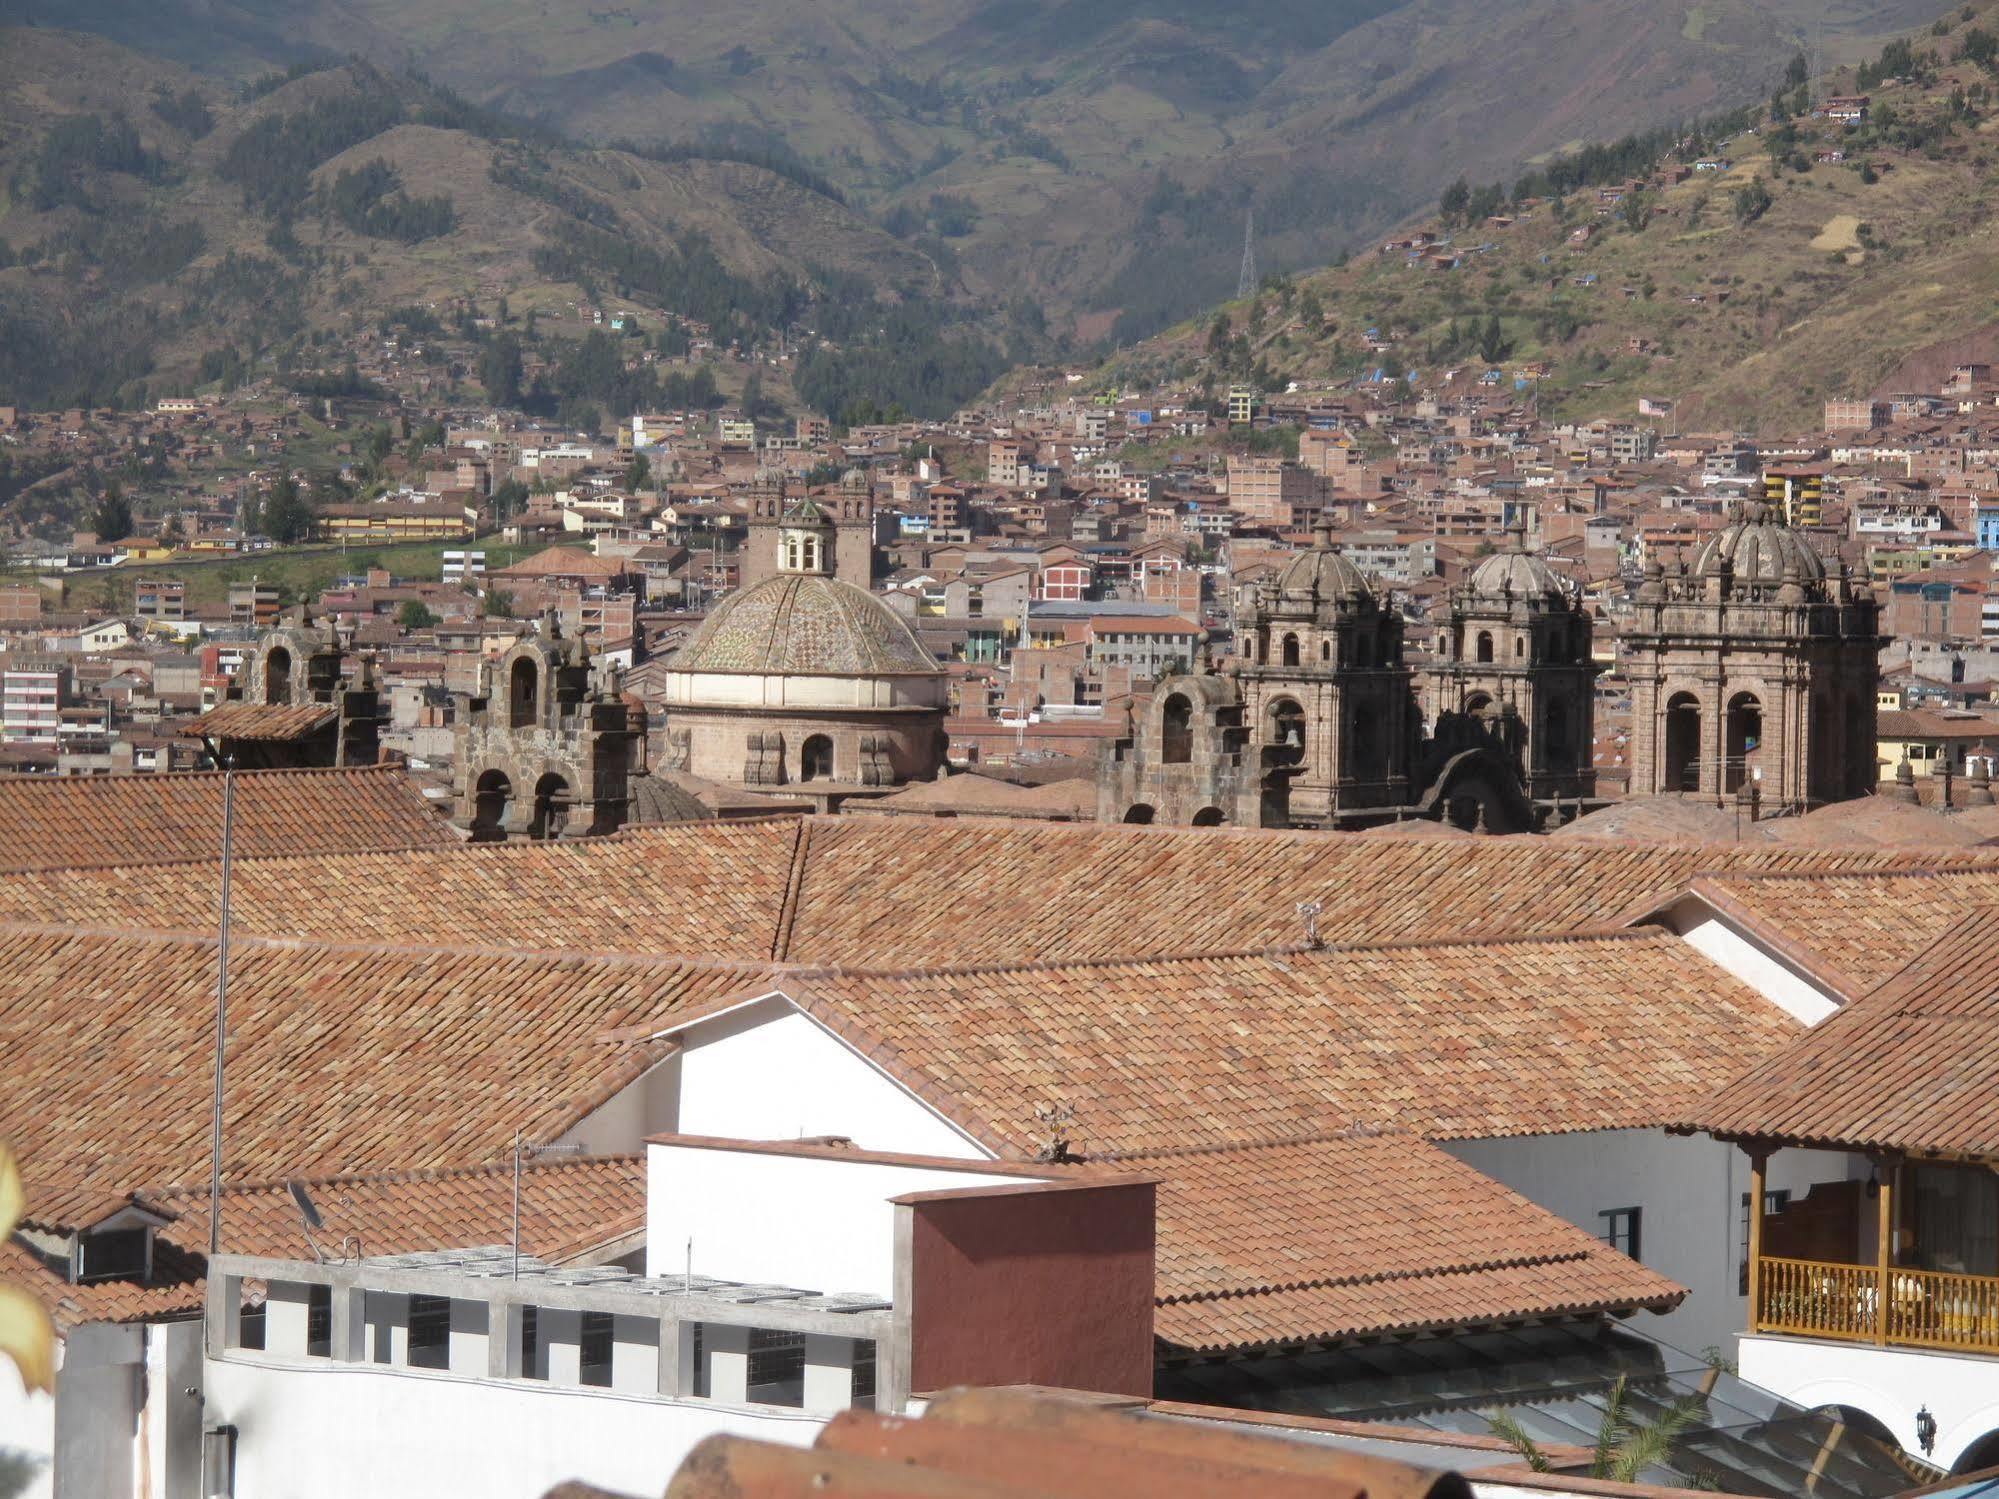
<point>331,1431</point>
<point>1690,1188</point>
<point>1890,1384</point>
<point>822,1225</point>
<point>1733,950</point>
<point>768,1071</point>
<point>28,1425</point>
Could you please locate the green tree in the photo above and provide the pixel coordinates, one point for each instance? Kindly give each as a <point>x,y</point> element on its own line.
<point>1493,344</point>
<point>1455,201</point>
<point>508,497</point>
<point>111,517</point>
<point>285,515</point>
<point>499,604</point>
<point>638,473</point>
<point>500,370</point>
<point>1980,47</point>
<point>415,615</point>
<point>1752,200</point>
<point>1626,1445</point>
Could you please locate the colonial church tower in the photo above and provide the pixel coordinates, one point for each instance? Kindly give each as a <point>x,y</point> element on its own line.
<point>1757,659</point>
<point>849,510</point>
<point>1514,672</point>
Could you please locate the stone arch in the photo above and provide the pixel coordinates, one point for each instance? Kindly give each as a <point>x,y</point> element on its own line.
<point>1325,650</point>
<point>492,800</point>
<point>1864,1422</point>
<point>1138,813</point>
<point>551,806</point>
<point>1744,739</point>
<point>523,693</point>
<point>1978,1454</point>
<point>1176,730</point>
<point>1209,817</point>
<point>1285,727</point>
<point>1291,657</point>
<point>1478,786</point>
<point>1556,749</point>
<point>815,758</point>
<point>278,675</point>
<point>1680,769</point>
<point>1519,646</point>
<point>1483,648</point>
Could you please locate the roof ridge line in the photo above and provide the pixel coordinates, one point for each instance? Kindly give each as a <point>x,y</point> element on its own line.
<point>1381,1277</point>
<point>1358,1131</point>
<point>794,886</point>
<point>414,1174</point>
<point>1926,873</point>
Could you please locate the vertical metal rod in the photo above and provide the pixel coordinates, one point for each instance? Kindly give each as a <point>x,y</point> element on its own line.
<point>221,1011</point>
<point>516,1240</point>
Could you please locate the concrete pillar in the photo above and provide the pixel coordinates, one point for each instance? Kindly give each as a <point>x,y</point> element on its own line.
<point>466,1351</point>
<point>349,1342</point>
<point>287,1311</point>
<point>635,1354</point>
<point>829,1372</point>
<point>727,1349</point>
<point>388,1329</point>
<point>676,1358</point>
<point>224,1316</point>
<point>97,1408</point>
<point>560,1345</point>
<point>503,1340</point>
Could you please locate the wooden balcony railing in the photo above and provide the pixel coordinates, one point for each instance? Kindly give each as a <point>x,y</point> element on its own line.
<point>1925,1308</point>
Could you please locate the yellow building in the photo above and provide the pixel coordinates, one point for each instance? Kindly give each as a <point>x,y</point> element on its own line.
<point>1798,494</point>
<point>1242,405</point>
<point>374,523</point>
<point>1928,739</point>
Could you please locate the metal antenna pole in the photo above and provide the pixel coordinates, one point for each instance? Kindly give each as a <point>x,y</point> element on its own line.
<point>516,1240</point>
<point>221,1011</point>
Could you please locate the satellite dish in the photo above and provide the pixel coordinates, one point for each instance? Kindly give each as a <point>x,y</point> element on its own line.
<point>303,1200</point>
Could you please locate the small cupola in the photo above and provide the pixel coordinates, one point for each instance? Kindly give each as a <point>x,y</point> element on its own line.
<point>805,541</point>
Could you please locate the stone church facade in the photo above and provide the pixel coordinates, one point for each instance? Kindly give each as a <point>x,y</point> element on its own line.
<point>1753,672</point>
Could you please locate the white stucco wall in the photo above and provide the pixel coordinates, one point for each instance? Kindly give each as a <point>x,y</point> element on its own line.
<point>27,1425</point>
<point>349,1429</point>
<point>1690,1188</point>
<point>1731,949</point>
<point>1890,1384</point>
<point>824,1225</point>
<point>768,1071</point>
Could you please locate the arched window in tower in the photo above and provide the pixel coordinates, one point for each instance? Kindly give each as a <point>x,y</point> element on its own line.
<point>1138,812</point>
<point>1362,738</point>
<point>794,556</point>
<point>551,807</point>
<point>492,795</point>
<point>1519,646</point>
<point>1861,769</point>
<point>1325,650</point>
<point>1555,746</point>
<point>1176,731</point>
<point>815,759</point>
<point>1745,738</point>
<point>1290,650</point>
<point>1485,647</point>
<point>278,675</point>
<point>1284,726</point>
<point>1682,734</point>
<point>523,694</point>
<point>1209,817</point>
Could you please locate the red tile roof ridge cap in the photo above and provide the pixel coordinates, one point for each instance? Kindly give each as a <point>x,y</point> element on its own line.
<point>1974,918</point>
<point>1379,1277</point>
<point>1355,1131</point>
<point>198,1191</point>
<point>794,885</point>
<point>1787,946</point>
<point>1711,877</point>
<point>250,942</point>
<point>380,768</point>
<point>803,969</point>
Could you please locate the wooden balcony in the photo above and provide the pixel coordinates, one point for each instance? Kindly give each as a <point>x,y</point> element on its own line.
<point>1924,1308</point>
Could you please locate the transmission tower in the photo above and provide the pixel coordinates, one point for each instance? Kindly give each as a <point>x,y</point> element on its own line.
<point>1245,286</point>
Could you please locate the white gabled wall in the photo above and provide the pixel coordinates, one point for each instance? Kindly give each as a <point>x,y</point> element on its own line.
<point>792,1220</point>
<point>1690,1190</point>
<point>768,1071</point>
<point>1735,952</point>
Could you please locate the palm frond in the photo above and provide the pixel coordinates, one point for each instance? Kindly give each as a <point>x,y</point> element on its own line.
<point>1511,1432</point>
<point>1612,1429</point>
<point>1649,1444</point>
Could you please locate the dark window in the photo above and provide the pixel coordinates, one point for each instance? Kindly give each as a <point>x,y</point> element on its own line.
<point>864,1373</point>
<point>777,1367</point>
<point>700,1363</point>
<point>596,1357</point>
<point>1773,1202</point>
<point>531,1344</point>
<point>114,1254</point>
<point>430,1332</point>
<point>253,1327</point>
<point>1620,1230</point>
<point>319,1321</point>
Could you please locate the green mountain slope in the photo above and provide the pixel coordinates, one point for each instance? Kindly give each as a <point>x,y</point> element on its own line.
<point>1749,293</point>
<point>1098,155</point>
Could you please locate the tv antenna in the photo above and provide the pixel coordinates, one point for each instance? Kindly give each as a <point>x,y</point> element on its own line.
<point>1246,283</point>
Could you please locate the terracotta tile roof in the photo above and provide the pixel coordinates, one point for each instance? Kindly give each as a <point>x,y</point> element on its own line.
<point>563,562</point>
<point>78,821</point>
<point>1877,821</point>
<point>343,1058</point>
<point>175,1291</point>
<point>888,891</point>
<point>715,892</point>
<point>1446,1040</point>
<point>567,1207</point>
<point>1854,929</point>
<point>1360,1234</point>
<point>280,722</point>
<point>1914,1066</point>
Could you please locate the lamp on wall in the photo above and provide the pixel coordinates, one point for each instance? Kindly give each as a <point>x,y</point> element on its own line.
<point>1926,1431</point>
<point>1873,1181</point>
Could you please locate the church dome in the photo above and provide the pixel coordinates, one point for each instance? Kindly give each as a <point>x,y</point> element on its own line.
<point>1759,548</point>
<point>1515,572</point>
<point>1324,573</point>
<point>805,624</point>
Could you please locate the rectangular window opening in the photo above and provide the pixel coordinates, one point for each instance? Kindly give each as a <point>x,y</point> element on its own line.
<point>596,1352</point>
<point>777,1368</point>
<point>319,1321</point>
<point>1620,1230</point>
<point>430,1332</point>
